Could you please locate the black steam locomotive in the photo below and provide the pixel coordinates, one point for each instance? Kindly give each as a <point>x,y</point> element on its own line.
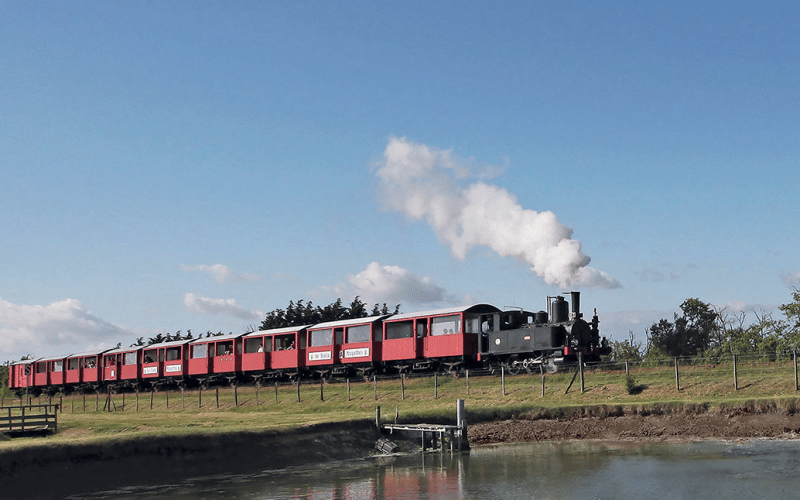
<point>545,340</point>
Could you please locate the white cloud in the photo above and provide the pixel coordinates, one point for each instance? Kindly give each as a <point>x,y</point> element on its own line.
<point>222,307</point>
<point>392,285</point>
<point>792,280</point>
<point>62,327</point>
<point>429,184</point>
<point>223,274</point>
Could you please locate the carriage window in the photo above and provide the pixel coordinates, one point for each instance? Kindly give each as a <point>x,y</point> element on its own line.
<point>320,337</point>
<point>446,325</point>
<point>472,325</point>
<point>284,342</point>
<point>253,345</point>
<point>90,362</point>
<point>58,366</point>
<point>129,358</point>
<point>73,364</point>
<point>41,367</point>
<point>399,330</point>
<point>150,356</point>
<point>173,353</point>
<point>199,351</point>
<point>422,329</point>
<point>224,348</point>
<point>110,360</point>
<point>361,333</point>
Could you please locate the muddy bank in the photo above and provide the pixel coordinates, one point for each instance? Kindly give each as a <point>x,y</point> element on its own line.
<point>48,471</point>
<point>737,423</point>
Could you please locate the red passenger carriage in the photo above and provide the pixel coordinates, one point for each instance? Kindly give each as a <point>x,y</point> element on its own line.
<point>421,340</point>
<point>341,346</point>
<point>165,363</point>
<point>273,353</point>
<point>214,359</point>
<point>122,367</point>
<point>83,370</point>
<point>48,373</point>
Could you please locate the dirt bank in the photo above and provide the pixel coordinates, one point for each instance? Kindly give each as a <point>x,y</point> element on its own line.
<point>47,471</point>
<point>728,424</point>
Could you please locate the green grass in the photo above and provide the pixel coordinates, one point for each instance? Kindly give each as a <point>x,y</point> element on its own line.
<point>762,387</point>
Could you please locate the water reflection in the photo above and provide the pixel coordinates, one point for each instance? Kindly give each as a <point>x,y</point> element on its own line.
<point>550,471</point>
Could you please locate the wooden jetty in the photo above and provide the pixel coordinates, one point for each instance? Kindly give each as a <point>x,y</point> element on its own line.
<point>436,433</point>
<point>29,419</point>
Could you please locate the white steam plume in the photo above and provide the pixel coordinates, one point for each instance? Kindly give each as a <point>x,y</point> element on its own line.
<point>421,182</point>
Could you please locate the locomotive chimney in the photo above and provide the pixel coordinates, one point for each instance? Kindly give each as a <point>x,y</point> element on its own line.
<point>576,305</point>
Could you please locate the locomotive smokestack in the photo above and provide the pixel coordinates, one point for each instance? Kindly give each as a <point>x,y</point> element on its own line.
<point>576,304</point>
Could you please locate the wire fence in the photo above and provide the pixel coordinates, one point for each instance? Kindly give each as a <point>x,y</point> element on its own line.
<point>773,373</point>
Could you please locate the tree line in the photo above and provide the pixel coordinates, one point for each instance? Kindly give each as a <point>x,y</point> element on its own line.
<point>701,330</point>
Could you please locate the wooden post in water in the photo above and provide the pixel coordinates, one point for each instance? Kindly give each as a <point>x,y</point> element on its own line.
<point>677,376</point>
<point>461,422</point>
<point>735,375</point>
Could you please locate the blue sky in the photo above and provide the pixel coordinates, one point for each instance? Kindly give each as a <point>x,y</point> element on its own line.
<point>193,165</point>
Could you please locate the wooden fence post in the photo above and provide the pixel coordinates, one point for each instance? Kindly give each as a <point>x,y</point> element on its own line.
<point>217,391</point>
<point>375,386</point>
<point>467,376</point>
<point>541,370</point>
<point>503,379</point>
<point>677,376</point>
<point>794,357</point>
<point>298,389</point>
<point>735,375</point>
<point>321,389</point>
<point>348,389</point>
<point>402,386</point>
<point>435,385</point>
<point>580,368</point>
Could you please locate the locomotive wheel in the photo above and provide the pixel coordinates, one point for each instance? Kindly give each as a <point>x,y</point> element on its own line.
<point>514,367</point>
<point>550,367</point>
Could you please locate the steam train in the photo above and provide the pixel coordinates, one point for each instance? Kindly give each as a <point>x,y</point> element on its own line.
<point>450,340</point>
